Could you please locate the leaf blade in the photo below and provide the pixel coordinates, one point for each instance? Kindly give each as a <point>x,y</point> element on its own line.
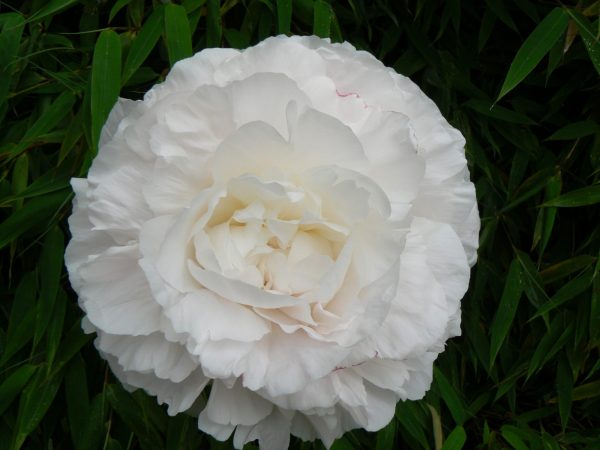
<point>106,80</point>
<point>535,47</point>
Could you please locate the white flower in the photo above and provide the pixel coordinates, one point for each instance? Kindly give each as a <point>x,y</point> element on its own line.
<point>292,225</point>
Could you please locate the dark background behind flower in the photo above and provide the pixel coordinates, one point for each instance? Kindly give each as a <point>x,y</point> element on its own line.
<point>525,374</point>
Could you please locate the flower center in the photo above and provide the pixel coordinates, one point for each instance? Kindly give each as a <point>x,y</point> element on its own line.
<point>279,243</point>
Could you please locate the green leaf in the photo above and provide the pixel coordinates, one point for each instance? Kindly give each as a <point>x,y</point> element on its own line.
<point>48,120</point>
<point>436,421</point>
<point>535,47</point>
<point>236,39</point>
<point>595,305</point>
<point>411,422</point>
<point>118,6</point>
<point>55,326</point>
<point>51,8</point>
<point>550,344</point>
<point>22,317</point>
<point>36,211</point>
<point>94,429</point>
<point>486,108</point>
<point>35,401</point>
<point>214,28</point>
<point>130,412</point>
<point>569,291</point>
<point>322,16</point>
<point>78,403</point>
<point>284,16</point>
<point>513,288</point>
<point>12,386</point>
<point>581,197</point>
<point>455,440</point>
<point>44,184</point>
<point>511,435</point>
<point>587,390</point>
<point>451,398</point>
<point>178,36</point>
<point>10,37</point>
<point>106,80</point>
<point>564,386</point>
<point>386,437</point>
<point>567,267</point>
<point>50,269</point>
<point>575,131</point>
<point>20,178</point>
<point>589,37</point>
<point>143,43</point>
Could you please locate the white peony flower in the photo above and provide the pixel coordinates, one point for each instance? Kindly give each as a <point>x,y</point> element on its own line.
<point>291,225</point>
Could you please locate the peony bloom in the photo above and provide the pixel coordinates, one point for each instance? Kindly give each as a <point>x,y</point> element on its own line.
<point>290,226</point>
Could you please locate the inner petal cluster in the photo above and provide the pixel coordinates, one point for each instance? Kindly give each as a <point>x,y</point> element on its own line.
<point>269,234</point>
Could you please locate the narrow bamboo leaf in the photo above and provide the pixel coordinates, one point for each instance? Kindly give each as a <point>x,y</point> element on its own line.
<point>532,283</point>
<point>12,386</point>
<point>20,178</point>
<point>48,120</point>
<point>451,398</point>
<point>130,413</point>
<point>118,6</point>
<point>22,317</point>
<point>587,390</point>
<point>35,401</point>
<point>339,444</point>
<point>284,16</point>
<point>386,437</point>
<point>177,33</point>
<point>181,433</point>
<point>497,112</point>
<point>42,185</point>
<point>50,270</point>
<point>455,440</point>
<point>569,291</point>
<point>322,15</point>
<point>595,305</point>
<point>497,6</point>
<point>51,8</point>
<point>55,327</point>
<point>436,421</point>
<point>508,383</point>
<point>548,340</point>
<point>106,82</point>
<point>235,38</point>
<point>513,288</point>
<point>143,43</point>
<point>567,267</point>
<point>531,186</point>
<point>94,430</point>
<point>36,211</point>
<point>72,135</point>
<point>564,386</point>
<point>409,419</point>
<point>10,38</point>
<point>511,436</point>
<point>575,131</point>
<point>581,197</point>
<point>214,29</point>
<point>553,189</point>
<point>77,398</point>
<point>589,37</point>
<point>535,47</point>
<point>73,341</point>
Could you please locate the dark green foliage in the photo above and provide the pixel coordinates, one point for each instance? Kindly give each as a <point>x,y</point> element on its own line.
<point>519,78</point>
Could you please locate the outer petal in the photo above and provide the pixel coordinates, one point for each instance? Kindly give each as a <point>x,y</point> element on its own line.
<point>178,396</point>
<point>149,354</point>
<point>115,294</point>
